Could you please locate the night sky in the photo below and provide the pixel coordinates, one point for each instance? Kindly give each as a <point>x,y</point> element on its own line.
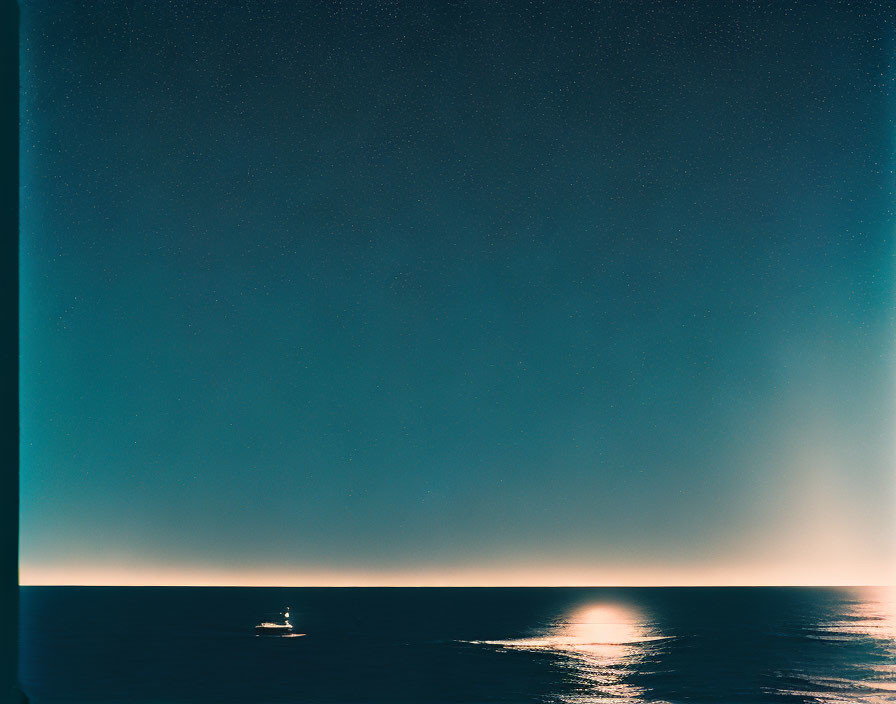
<point>457,292</point>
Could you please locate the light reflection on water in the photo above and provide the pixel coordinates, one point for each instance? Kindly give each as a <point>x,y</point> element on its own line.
<point>601,646</point>
<point>870,614</point>
<point>866,620</point>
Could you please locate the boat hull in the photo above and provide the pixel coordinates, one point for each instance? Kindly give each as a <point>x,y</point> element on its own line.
<point>272,630</point>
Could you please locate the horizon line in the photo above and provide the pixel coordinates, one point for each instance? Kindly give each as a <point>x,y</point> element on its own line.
<point>468,586</point>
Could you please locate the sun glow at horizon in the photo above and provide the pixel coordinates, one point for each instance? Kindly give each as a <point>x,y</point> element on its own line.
<point>167,575</point>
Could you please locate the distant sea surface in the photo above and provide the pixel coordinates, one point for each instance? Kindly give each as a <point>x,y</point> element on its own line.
<point>718,645</point>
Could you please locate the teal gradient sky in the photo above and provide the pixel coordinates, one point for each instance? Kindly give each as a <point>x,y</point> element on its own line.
<point>452,292</point>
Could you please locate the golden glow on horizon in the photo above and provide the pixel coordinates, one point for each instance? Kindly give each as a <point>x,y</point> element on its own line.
<point>132,574</point>
<point>819,544</point>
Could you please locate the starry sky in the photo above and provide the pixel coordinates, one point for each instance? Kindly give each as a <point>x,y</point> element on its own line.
<point>449,292</point>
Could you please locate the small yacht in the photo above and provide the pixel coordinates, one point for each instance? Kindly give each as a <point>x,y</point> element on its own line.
<point>268,628</point>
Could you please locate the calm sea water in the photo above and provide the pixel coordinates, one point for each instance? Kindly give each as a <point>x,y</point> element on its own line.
<point>83,644</point>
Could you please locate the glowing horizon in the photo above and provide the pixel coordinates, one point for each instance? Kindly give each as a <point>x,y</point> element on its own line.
<point>165,575</point>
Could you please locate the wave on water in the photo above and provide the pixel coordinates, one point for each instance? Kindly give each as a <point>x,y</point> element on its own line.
<point>865,623</point>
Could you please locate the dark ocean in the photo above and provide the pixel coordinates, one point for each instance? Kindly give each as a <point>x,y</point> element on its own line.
<point>719,645</point>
